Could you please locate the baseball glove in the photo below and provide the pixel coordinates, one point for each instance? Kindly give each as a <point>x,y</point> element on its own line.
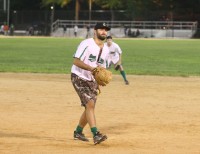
<point>102,76</point>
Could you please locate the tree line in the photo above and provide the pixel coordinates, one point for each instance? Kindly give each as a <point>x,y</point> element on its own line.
<point>132,8</point>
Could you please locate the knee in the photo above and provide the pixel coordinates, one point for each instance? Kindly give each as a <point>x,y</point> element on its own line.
<point>121,68</point>
<point>90,105</point>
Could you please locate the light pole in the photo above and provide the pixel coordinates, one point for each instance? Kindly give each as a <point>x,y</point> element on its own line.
<point>8,10</point>
<point>172,17</point>
<point>15,17</point>
<point>90,9</point>
<point>52,18</point>
<point>4,5</point>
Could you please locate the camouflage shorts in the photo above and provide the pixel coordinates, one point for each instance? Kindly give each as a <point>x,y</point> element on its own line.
<point>86,90</point>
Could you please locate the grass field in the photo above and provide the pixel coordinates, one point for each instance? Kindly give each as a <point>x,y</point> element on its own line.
<point>143,57</point>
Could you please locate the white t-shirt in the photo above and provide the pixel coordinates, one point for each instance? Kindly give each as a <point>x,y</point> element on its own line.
<point>75,28</point>
<point>88,52</point>
<point>114,52</point>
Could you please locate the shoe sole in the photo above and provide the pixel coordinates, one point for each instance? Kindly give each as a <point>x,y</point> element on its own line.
<point>80,139</point>
<point>101,140</point>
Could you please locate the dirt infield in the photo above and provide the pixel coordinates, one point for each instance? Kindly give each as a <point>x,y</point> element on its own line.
<point>154,115</point>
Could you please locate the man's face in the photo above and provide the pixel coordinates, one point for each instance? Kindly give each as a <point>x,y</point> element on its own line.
<point>101,34</point>
<point>109,41</point>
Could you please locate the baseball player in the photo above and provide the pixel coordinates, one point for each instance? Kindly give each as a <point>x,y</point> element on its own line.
<point>90,53</point>
<point>116,57</point>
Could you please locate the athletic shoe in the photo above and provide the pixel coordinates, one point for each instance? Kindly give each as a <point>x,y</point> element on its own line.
<point>98,138</point>
<point>80,136</point>
<point>126,82</point>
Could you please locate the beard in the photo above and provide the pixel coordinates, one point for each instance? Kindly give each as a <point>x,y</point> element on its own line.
<point>101,37</point>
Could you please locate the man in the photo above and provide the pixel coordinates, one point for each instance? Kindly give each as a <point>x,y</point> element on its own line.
<point>116,57</point>
<point>88,31</point>
<point>64,29</point>
<point>75,30</point>
<point>90,53</point>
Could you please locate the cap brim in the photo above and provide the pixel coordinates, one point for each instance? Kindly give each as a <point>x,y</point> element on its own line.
<point>103,27</point>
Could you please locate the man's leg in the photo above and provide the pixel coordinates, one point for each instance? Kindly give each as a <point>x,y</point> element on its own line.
<point>79,129</point>
<point>82,123</point>
<point>89,110</point>
<point>90,115</point>
<point>123,74</point>
<point>83,120</point>
<point>86,117</point>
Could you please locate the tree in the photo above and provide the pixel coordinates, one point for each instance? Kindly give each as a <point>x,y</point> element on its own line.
<point>62,3</point>
<point>25,5</point>
<point>134,9</point>
<point>110,4</point>
<point>59,2</point>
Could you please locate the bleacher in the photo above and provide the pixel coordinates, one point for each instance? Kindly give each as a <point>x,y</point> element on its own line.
<point>120,29</point>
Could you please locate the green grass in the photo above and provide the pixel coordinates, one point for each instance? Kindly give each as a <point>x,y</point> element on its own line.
<point>44,55</point>
<point>144,57</point>
<point>162,57</point>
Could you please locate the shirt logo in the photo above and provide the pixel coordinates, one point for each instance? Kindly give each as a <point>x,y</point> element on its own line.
<point>101,61</point>
<point>92,58</point>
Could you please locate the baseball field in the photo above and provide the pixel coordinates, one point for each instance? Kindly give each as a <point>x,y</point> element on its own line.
<point>158,113</point>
